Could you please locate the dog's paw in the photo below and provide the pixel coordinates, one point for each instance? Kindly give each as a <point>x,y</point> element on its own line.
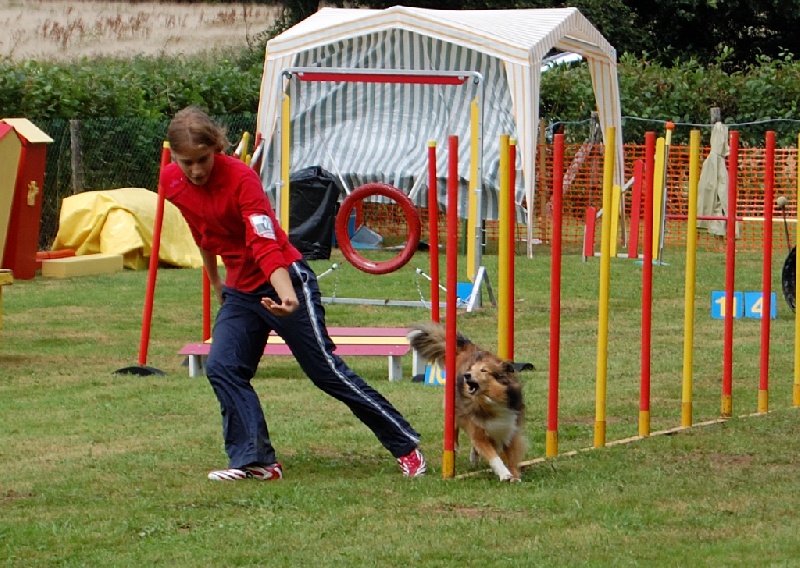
<point>508,477</point>
<point>500,469</point>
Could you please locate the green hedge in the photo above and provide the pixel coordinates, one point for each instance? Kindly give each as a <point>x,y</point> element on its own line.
<point>125,106</point>
<point>139,87</point>
<point>146,87</point>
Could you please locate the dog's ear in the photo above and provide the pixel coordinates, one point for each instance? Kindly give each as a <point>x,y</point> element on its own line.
<point>509,367</point>
<point>514,394</point>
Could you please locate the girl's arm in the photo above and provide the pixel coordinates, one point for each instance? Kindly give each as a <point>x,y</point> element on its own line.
<point>282,283</point>
<point>210,264</point>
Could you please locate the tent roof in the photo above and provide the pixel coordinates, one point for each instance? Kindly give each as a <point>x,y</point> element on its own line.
<point>511,35</point>
<point>521,39</point>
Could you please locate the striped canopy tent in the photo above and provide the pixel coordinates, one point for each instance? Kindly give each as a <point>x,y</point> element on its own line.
<point>377,132</point>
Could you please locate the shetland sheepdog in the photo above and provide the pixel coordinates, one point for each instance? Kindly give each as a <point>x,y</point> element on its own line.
<point>489,404</point>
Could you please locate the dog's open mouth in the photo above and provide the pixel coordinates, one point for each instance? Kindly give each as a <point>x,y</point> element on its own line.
<point>472,385</point>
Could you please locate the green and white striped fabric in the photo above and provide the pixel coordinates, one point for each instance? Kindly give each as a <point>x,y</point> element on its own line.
<point>506,46</point>
<point>379,132</point>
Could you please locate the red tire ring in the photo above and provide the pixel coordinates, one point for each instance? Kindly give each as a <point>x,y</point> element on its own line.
<point>412,218</point>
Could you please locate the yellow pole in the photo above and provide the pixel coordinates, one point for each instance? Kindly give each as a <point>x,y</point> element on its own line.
<point>796,388</point>
<point>245,146</point>
<point>502,250</point>
<point>472,215</point>
<point>616,195</point>
<point>286,160</point>
<point>448,464</point>
<point>691,278</point>
<point>605,282</point>
<point>658,195</point>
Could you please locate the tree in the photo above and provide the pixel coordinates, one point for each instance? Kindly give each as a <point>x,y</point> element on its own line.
<point>737,32</point>
<point>707,30</point>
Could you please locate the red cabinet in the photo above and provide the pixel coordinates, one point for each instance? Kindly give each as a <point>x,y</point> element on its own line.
<point>22,234</point>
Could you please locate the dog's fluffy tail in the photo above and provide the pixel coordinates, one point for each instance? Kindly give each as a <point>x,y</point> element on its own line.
<point>430,341</point>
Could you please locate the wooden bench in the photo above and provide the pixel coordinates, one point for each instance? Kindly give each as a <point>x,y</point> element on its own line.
<point>388,342</point>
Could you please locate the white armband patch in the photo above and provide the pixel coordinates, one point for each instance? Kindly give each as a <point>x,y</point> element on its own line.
<point>262,225</point>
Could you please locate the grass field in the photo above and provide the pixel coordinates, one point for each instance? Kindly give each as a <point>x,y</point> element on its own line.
<point>106,470</point>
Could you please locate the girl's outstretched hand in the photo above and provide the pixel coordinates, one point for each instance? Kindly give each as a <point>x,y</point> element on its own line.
<point>287,298</point>
<point>283,308</point>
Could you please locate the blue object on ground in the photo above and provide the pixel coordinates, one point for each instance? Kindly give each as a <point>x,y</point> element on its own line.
<point>366,238</point>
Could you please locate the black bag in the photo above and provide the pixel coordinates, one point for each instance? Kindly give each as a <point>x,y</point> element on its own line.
<point>313,203</point>
<point>788,278</point>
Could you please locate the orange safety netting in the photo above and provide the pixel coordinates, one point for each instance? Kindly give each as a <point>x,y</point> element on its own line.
<point>583,181</point>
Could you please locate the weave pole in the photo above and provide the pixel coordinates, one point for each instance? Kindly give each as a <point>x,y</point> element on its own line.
<point>796,385</point>
<point>730,276</point>
<point>690,280</point>
<point>662,212</point>
<point>766,274</point>
<point>153,268</point>
<point>605,282</point>
<point>448,456</point>
<point>551,437</point>
<point>647,285</point>
<point>433,230</point>
<point>504,220</point>
<point>636,206</point>
<point>283,189</point>
<point>512,244</point>
<point>206,306</point>
<point>152,273</point>
<point>659,184</point>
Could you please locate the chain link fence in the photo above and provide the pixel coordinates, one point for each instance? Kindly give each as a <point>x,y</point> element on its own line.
<point>114,153</point>
<point>125,152</point>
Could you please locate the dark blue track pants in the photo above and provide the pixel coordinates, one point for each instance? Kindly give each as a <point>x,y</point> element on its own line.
<point>240,334</point>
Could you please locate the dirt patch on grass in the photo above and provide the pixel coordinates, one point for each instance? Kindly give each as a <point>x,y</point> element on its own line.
<point>62,31</point>
<point>472,512</point>
<point>724,461</point>
<point>9,496</point>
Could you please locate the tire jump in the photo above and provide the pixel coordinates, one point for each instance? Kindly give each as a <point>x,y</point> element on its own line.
<point>412,219</point>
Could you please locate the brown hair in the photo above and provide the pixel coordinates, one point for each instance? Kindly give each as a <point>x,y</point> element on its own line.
<point>192,127</point>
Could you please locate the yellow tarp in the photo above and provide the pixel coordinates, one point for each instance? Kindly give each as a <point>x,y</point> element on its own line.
<point>120,221</point>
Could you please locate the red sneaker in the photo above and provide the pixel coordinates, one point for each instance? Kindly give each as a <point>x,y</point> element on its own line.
<point>413,464</point>
<point>274,471</point>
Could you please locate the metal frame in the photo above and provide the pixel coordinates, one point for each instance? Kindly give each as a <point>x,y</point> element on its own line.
<point>398,76</point>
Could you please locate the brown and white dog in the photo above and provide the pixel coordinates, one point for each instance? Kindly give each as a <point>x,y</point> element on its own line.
<point>489,405</point>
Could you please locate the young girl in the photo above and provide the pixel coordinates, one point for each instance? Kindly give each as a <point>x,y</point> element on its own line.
<point>267,287</point>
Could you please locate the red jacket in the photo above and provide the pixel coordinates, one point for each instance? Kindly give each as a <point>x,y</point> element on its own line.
<point>231,216</point>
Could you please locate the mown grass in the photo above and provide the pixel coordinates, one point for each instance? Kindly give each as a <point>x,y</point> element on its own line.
<point>101,469</point>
